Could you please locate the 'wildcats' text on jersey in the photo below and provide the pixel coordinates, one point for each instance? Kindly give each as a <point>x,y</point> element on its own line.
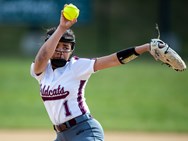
<point>53,94</point>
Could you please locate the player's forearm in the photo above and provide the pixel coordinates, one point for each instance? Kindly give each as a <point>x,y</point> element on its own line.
<point>47,50</point>
<point>121,57</point>
<point>127,55</point>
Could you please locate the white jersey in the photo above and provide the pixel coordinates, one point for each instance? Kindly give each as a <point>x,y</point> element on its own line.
<point>62,89</point>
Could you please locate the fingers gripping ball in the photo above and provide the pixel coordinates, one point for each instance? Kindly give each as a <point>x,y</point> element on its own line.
<point>70,12</point>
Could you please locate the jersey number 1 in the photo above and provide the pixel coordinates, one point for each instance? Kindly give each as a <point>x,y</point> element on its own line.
<point>67,111</point>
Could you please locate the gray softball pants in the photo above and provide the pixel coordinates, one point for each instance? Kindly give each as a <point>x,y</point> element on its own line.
<point>88,130</point>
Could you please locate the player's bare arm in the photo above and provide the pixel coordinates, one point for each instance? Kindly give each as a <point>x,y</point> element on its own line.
<point>48,48</point>
<point>143,48</point>
<point>120,57</point>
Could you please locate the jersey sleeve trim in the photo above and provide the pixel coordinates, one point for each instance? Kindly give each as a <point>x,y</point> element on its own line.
<point>38,77</point>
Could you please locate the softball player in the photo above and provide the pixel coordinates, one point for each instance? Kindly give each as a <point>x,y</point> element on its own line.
<point>62,79</point>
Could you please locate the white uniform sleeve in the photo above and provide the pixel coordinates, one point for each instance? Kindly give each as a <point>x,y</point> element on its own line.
<point>37,77</point>
<point>83,68</point>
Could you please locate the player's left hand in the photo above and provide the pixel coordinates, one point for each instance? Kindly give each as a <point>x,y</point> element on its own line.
<point>162,51</point>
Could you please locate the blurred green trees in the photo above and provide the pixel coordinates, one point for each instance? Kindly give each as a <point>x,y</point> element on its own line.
<point>113,25</point>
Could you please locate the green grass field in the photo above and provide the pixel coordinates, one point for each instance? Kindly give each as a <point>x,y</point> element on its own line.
<point>139,96</point>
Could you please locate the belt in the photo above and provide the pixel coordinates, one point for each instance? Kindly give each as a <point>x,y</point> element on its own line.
<point>66,125</point>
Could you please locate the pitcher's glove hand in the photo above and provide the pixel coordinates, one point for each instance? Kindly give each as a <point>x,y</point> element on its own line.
<point>161,51</point>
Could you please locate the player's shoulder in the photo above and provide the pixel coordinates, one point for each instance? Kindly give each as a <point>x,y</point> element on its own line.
<point>78,59</point>
<point>78,62</point>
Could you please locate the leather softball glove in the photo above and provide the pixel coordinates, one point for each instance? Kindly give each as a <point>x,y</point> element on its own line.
<point>162,51</point>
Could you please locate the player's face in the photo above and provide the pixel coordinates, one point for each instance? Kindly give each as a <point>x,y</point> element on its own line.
<point>62,51</point>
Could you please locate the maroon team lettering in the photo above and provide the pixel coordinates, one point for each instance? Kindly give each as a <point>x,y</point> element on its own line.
<point>53,94</point>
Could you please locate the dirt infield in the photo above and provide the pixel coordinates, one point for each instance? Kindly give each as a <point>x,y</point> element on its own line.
<point>46,135</point>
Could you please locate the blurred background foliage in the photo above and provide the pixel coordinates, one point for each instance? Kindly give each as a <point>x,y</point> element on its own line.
<point>104,26</point>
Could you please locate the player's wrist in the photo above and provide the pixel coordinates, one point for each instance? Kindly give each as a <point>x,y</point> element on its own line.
<point>148,47</point>
<point>126,55</point>
<point>61,29</point>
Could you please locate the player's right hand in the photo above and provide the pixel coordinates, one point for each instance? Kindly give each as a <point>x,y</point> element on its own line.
<point>64,23</point>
